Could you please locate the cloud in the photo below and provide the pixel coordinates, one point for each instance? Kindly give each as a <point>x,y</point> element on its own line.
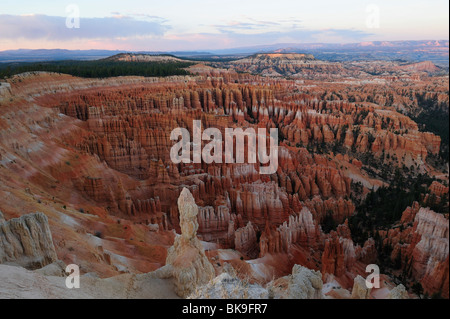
<point>249,31</point>
<point>228,40</point>
<point>35,27</point>
<point>296,35</point>
<point>139,16</point>
<point>145,32</point>
<point>255,26</point>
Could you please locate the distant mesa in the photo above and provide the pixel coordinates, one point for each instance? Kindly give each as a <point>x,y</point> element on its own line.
<point>281,63</point>
<point>425,66</point>
<point>131,57</point>
<point>281,54</point>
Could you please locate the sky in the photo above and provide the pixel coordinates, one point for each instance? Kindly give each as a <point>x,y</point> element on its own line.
<point>175,25</point>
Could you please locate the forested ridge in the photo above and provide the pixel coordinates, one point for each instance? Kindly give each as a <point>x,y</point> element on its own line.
<point>98,68</point>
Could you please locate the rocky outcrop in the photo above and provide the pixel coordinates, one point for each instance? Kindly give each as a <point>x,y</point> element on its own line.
<point>27,241</point>
<point>425,66</point>
<point>214,223</point>
<point>19,283</point>
<point>228,286</point>
<point>398,292</point>
<point>430,256</point>
<point>245,241</point>
<point>259,202</point>
<point>409,214</point>
<point>56,269</point>
<point>360,289</point>
<point>189,265</point>
<point>301,230</point>
<point>5,90</point>
<point>333,257</point>
<point>422,247</point>
<point>436,278</point>
<point>285,64</point>
<point>340,209</point>
<point>303,283</point>
<point>368,253</point>
<point>438,189</point>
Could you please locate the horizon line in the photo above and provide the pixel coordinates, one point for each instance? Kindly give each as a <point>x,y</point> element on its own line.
<point>232,48</point>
